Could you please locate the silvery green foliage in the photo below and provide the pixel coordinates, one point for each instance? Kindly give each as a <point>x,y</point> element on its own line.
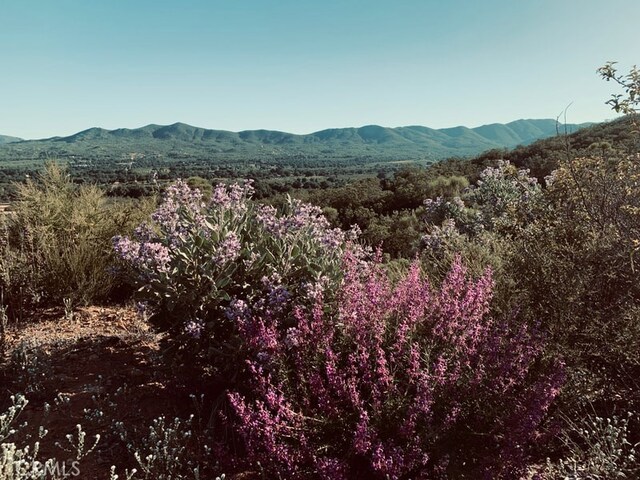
<point>131,475</point>
<point>76,444</point>
<point>18,402</point>
<point>504,199</point>
<point>4,322</point>
<point>504,191</point>
<point>600,449</point>
<point>170,451</point>
<point>22,463</point>
<point>30,367</point>
<point>68,309</point>
<point>203,265</point>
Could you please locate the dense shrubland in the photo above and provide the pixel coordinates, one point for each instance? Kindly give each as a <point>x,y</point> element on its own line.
<point>491,332</point>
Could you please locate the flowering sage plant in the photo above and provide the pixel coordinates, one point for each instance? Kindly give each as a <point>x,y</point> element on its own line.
<point>200,264</point>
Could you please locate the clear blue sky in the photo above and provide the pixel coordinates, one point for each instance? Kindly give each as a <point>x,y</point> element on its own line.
<point>301,66</point>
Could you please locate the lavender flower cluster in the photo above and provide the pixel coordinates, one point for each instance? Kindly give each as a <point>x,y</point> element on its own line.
<point>228,250</point>
<point>503,198</point>
<point>144,256</point>
<point>193,257</point>
<point>181,210</point>
<point>302,217</point>
<point>233,197</point>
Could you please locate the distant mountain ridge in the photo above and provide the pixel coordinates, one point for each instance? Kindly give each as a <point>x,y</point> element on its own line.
<point>8,139</point>
<point>408,142</point>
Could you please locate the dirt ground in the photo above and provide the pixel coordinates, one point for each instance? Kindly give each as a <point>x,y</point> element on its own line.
<point>100,366</point>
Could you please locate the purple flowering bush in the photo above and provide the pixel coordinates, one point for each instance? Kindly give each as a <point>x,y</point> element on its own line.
<point>483,226</point>
<point>404,381</point>
<point>199,265</point>
<point>505,193</point>
<point>504,200</point>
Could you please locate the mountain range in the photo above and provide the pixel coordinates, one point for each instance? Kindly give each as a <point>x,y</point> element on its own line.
<point>182,140</point>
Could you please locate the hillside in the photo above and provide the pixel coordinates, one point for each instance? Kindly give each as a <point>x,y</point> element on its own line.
<point>380,143</point>
<point>8,139</point>
<point>543,155</point>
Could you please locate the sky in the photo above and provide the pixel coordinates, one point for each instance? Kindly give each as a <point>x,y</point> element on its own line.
<point>301,66</point>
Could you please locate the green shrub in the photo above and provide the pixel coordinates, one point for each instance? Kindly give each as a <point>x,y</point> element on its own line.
<point>56,242</point>
<point>577,262</point>
<point>484,227</point>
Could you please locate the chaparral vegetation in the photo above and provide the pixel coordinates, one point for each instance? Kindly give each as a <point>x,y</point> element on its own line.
<point>474,318</point>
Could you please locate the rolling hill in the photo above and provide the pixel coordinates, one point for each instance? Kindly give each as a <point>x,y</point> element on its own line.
<point>8,139</point>
<point>372,141</point>
<point>541,157</point>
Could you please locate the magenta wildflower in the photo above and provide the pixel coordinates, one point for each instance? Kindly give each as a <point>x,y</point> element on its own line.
<point>391,386</point>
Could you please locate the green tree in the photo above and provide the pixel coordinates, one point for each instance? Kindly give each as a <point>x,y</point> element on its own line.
<point>628,101</point>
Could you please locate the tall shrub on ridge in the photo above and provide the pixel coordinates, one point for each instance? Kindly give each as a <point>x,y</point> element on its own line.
<point>410,381</point>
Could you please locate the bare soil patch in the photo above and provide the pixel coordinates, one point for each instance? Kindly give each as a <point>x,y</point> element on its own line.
<point>100,366</point>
